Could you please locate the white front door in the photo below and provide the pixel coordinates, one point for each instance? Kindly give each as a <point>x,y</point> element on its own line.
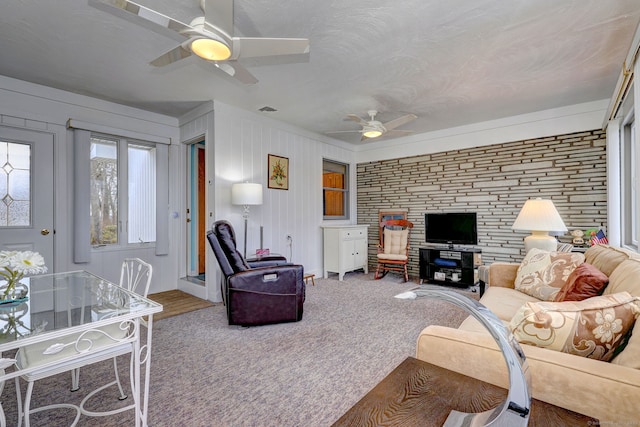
<point>26,192</point>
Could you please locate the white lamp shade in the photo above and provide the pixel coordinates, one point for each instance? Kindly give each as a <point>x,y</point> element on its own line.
<point>539,215</point>
<point>246,193</point>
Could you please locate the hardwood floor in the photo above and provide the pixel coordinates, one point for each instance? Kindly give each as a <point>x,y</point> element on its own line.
<point>177,302</point>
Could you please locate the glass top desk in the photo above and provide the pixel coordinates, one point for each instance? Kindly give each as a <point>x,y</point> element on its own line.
<point>62,310</point>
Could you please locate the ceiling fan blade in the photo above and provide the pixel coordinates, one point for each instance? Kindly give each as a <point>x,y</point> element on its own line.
<point>219,13</point>
<point>253,47</point>
<point>170,57</point>
<point>358,119</point>
<point>276,60</point>
<point>236,71</point>
<point>343,131</point>
<point>143,16</point>
<point>392,124</point>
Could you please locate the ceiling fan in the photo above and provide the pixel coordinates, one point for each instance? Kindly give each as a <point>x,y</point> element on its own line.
<point>373,128</point>
<point>210,36</point>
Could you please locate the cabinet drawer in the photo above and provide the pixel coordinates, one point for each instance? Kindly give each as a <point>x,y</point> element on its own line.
<point>353,234</point>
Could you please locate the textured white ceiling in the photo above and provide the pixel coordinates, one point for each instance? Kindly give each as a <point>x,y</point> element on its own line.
<point>449,62</point>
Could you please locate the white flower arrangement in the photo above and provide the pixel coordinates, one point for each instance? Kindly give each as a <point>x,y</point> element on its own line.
<point>16,264</point>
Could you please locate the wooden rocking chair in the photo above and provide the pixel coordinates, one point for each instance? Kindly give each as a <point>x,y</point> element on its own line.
<point>393,249</point>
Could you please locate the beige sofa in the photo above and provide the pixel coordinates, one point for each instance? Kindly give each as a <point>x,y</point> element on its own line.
<point>608,391</point>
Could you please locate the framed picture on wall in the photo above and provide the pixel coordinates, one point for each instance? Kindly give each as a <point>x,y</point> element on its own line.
<point>278,170</point>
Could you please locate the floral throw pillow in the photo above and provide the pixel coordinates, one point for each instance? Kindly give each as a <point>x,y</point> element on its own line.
<point>592,328</point>
<point>541,274</point>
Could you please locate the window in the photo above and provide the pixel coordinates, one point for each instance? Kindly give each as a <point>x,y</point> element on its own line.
<point>15,184</point>
<point>335,190</point>
<point>122,191</point>
<point>630,156</point>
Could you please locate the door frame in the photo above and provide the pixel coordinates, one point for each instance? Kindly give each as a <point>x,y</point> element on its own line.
<point>42,192</point>
<point>196,207</point>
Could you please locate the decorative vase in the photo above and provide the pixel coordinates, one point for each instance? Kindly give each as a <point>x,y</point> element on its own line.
<point>14,265</point>
<point>11,324</point>
<point>12,291</point>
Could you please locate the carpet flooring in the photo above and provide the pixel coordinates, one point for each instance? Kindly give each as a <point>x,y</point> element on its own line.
<point>308,373</point>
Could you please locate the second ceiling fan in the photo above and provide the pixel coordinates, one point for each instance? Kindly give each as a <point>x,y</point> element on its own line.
<point>373,128</point>
<point>210,36</point>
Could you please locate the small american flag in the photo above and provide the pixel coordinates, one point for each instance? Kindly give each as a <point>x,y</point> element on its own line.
<point>599,239</point>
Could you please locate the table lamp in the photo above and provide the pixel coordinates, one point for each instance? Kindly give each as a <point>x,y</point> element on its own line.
<point>540,217</point>
<point>246,194</point>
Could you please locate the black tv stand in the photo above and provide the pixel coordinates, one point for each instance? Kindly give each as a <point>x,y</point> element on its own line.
<point>450,266</point>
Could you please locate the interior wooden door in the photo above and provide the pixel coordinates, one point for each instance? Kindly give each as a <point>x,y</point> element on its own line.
<point>202,224</point>
<point>196,211</point>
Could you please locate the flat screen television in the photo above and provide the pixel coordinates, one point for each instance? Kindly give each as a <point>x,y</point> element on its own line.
<point>451,228</point>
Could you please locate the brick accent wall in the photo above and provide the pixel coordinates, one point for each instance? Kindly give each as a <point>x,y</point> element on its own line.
<point>493,181</point>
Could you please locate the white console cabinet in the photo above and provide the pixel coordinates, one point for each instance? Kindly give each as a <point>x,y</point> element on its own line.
<point>345,249</point>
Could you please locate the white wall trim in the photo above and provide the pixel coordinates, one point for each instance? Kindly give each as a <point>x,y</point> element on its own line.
<point>557,121</point>
<point>30,106</point>
<point>614,214</point>
<point>96,127</point>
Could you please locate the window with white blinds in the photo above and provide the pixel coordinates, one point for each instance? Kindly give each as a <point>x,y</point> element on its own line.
<point>121,193</point>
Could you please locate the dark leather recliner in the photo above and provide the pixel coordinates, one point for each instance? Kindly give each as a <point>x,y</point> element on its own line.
<point>268,291</point>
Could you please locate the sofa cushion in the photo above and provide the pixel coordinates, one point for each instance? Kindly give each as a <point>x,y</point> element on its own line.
<point>505,302</point>
<point>626,277</point>
<point>587,386</point>
<point>591,328</point>
<point>606,258</point>
<point>471,324</point>
<point>584,282</point>
<point>541,274</point>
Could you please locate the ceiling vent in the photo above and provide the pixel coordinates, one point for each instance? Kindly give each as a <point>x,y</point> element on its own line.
<point>267,109</point>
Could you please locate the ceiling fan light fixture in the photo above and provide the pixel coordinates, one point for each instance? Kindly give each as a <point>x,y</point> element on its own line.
<point>372,133</point>
<point>210,49</point>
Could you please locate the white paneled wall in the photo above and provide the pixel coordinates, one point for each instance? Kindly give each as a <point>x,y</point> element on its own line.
<point>45,109</point>
<point>242,142</point>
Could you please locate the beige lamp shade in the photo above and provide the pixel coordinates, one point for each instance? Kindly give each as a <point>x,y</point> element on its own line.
<point>539,216</point>
<point>246,193</point>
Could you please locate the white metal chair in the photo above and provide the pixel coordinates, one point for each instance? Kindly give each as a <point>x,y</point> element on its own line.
<point>135,275</point>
